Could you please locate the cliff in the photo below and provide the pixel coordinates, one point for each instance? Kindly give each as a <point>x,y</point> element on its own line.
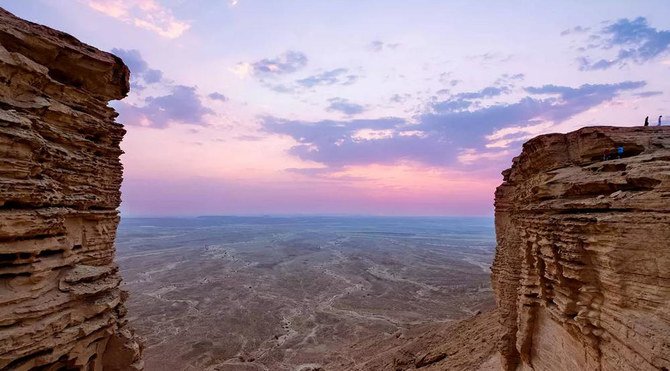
<point>60,302</point>
<point>582,268</point>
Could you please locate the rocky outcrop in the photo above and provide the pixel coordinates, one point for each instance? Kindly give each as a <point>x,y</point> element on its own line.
<point>582,268</point>
<point>60,302</point>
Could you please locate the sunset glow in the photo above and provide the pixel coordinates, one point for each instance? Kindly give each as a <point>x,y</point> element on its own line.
<point>348,107</point>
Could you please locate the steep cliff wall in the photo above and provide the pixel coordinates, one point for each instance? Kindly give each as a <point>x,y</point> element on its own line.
<point>60,302</point>
<point>582,269</point>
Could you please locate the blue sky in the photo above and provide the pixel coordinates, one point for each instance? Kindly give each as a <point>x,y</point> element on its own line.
<point>375,107</point>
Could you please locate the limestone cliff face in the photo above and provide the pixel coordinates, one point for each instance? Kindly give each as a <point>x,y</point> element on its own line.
<point>582,269</point>
<point>60,302</point>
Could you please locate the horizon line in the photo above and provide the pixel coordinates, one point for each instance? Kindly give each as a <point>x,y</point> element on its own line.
<point>293,215</point>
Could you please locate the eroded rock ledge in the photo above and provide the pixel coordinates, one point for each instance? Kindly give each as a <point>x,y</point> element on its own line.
<point>60,302</point>
<point>582,269</point>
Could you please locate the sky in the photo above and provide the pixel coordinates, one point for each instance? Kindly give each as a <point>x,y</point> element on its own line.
<point>378,107</point>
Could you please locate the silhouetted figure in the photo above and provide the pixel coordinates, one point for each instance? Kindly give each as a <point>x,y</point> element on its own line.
<point>659,120</point>
<point>646,121</point>
<point>619,152</point>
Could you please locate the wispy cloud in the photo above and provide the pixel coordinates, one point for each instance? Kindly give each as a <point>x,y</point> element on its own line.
<point>633,40</point>
<point>399,98</point>
<point>444,137</point>
<point>575,30</point>
<point>378,46</point>
<point>283,64</point>
<point>467,100</point>
<point>470,156</point>
<point>242,69</point>
<point>288,62</point>
<point>491,91</point>
<point>147,14</point>
<point>492,57</point>
<point>217,96</point>
<point>509,80</point>
<point>338,76</point>
<point>181,105</point>
<point>345,106</point>
<point>647,94</point>
<point>139,68</point>
<point>447,78</point>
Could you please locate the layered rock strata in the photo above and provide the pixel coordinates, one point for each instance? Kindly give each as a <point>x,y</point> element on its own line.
<point>582,269</point>
<point>60,302</point>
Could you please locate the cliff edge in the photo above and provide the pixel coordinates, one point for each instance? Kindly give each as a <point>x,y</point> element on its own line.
<point>60,302</point>
<point>582,268</point>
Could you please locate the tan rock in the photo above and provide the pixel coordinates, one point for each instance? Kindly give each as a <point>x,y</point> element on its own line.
<point>582,268</point>
<point>60,302</point>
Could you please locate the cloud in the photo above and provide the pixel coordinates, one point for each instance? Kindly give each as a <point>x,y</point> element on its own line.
<point>509,80</point>
<point>571,101</point>
<point>488,92</point>
<point>447,79</point>
<point>152,76</point>
<point>492,57</point>
<point>633,40</point>
<point>218,96</point>
<point>451,105</point>
<point>647,94</point>
<point>331,142</point>
<point>466,100</point>
<point>139,68</point>
<point>345,106</point>
<point>470,156</point>
<point>399,98</point>
<point>443,137</point>
<point>242,69</point>
<point>338,76</point>
<point>280,88</point>
<point>288,62</point>
<point>575,30</point>
<point>147,14</point>
<point>181,105</point>
<point>378,46</point>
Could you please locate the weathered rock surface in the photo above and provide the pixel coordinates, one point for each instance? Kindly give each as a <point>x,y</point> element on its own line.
<point>60,302</point>
<point>461,345</point>
<point>582,268</point>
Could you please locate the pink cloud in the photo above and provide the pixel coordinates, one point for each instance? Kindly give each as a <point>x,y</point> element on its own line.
<point>147,14</point>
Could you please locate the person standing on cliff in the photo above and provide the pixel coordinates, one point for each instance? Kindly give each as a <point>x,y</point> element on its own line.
<point>659,120</point>
<point>646,121</point>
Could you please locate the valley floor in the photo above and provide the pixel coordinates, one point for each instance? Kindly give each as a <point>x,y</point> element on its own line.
<point>299,293</point>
